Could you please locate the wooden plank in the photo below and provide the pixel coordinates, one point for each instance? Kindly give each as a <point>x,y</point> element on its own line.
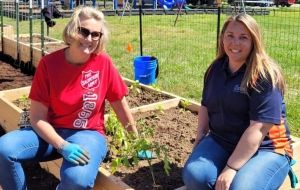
<point>10,47</point>
<point>181,188</point>
<point>104,181</point>
<point>166,104</point>
<point>129,82</point>
<point>107,181</point>
<point>8,31</point>
<point>193,106</point>
<point>52,167</point>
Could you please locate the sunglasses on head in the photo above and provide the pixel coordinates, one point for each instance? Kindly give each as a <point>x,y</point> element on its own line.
<point>86,32</point>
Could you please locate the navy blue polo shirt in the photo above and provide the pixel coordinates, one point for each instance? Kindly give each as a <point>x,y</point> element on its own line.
<point>230,110</point>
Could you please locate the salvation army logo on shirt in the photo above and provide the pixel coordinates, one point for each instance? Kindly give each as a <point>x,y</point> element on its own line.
<point>90,79</point>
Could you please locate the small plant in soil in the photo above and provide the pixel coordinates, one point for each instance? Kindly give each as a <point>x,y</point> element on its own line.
<point>185,104</point>
<point>22,102</point>
<point>160,109</point>
<point>135,87</point>
<point>125,147</point>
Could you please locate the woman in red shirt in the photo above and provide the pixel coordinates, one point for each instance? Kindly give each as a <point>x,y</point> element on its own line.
<point>68,96</point>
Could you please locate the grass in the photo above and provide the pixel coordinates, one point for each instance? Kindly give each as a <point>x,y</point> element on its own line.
<point>185,51</point>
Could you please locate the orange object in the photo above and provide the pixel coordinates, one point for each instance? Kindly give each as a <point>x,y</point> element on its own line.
<point>129,48</point>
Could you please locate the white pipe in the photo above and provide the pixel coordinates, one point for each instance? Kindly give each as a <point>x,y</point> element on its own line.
<point>42,4</point>
<point>30,4</point>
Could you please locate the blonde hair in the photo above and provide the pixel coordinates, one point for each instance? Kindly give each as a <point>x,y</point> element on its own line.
<point>71,30</point>
<point>259,64</point>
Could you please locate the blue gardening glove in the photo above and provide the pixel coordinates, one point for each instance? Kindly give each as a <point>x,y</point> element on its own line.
<point>146,154</point>
<point>74,153</point>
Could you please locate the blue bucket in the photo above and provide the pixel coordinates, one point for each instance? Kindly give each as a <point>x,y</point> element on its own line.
<point>145,69</point>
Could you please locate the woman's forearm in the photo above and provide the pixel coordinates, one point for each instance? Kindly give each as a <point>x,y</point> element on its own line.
<point>38,120</point>
<point>48,133</point>
<point>248,144</point>
<point>124,115</point>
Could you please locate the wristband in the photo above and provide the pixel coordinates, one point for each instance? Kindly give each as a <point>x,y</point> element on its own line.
<point>231,167</point>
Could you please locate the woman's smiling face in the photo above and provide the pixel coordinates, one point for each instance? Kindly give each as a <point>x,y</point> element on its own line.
<point>237,43</point>
<point>88,44</point>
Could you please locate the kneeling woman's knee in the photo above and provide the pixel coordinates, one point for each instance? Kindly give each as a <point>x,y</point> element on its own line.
<point>77,180</point>
<point>196,176</point>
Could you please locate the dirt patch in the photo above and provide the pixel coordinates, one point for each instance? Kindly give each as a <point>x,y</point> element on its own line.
<point>11,77</point>
<point>174,128</point>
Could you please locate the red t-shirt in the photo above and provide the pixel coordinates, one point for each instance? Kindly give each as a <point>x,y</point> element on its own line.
<point>75,95</point>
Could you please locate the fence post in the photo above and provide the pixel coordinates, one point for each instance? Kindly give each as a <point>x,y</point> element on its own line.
<point>141,28</point>
<point>219,2</point>
<point>1,9</point>
<point>42,28</point>
<point>17,62</point>
<point>30,30</point>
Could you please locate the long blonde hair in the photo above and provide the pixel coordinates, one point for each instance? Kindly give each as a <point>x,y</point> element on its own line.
<point>259,64</point>
<point>71,29</point>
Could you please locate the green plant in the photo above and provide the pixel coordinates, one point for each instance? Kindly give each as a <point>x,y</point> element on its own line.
<point>160,109</point>
<point>125,146</point>
<point>185,104</point>
<point>22,102</point>
<point>135,87</point>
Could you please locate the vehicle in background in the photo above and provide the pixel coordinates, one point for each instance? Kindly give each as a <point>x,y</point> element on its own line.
<point>260,3</point>
<point>283,3</point>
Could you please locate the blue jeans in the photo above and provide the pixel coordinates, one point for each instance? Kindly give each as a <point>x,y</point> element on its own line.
<point>265,170</point>
<point>25,145</point>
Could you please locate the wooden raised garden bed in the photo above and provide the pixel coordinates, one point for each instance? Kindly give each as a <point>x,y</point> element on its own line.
<point>8,32</point>
<point>174,127</point>
<point>48,48</point>
<point>10,46</point>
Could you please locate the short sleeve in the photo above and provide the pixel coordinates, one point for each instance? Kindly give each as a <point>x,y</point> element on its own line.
<point>40,85</point>
<point>207,76</point>
<point>266,103</point>
<point>117,88</point>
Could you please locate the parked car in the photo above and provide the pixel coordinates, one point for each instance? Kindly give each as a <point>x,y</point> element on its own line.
<point>284,2</point>
<point>260,3</point>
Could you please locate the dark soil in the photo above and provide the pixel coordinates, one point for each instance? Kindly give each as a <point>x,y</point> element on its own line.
<point>11,77</point>
<point>174,128</point>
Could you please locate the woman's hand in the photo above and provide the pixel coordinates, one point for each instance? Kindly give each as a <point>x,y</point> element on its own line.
<point>74,153</point>
<point>225,179</point>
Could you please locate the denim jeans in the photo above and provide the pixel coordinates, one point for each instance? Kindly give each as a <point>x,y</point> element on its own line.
<point>24,145</point>
<point>265,170</point>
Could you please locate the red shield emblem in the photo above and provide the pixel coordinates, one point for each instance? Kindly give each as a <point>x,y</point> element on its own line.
<point>90,79</point>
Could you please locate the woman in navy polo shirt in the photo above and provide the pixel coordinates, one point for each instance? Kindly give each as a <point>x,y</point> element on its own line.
<point>243,139</point>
